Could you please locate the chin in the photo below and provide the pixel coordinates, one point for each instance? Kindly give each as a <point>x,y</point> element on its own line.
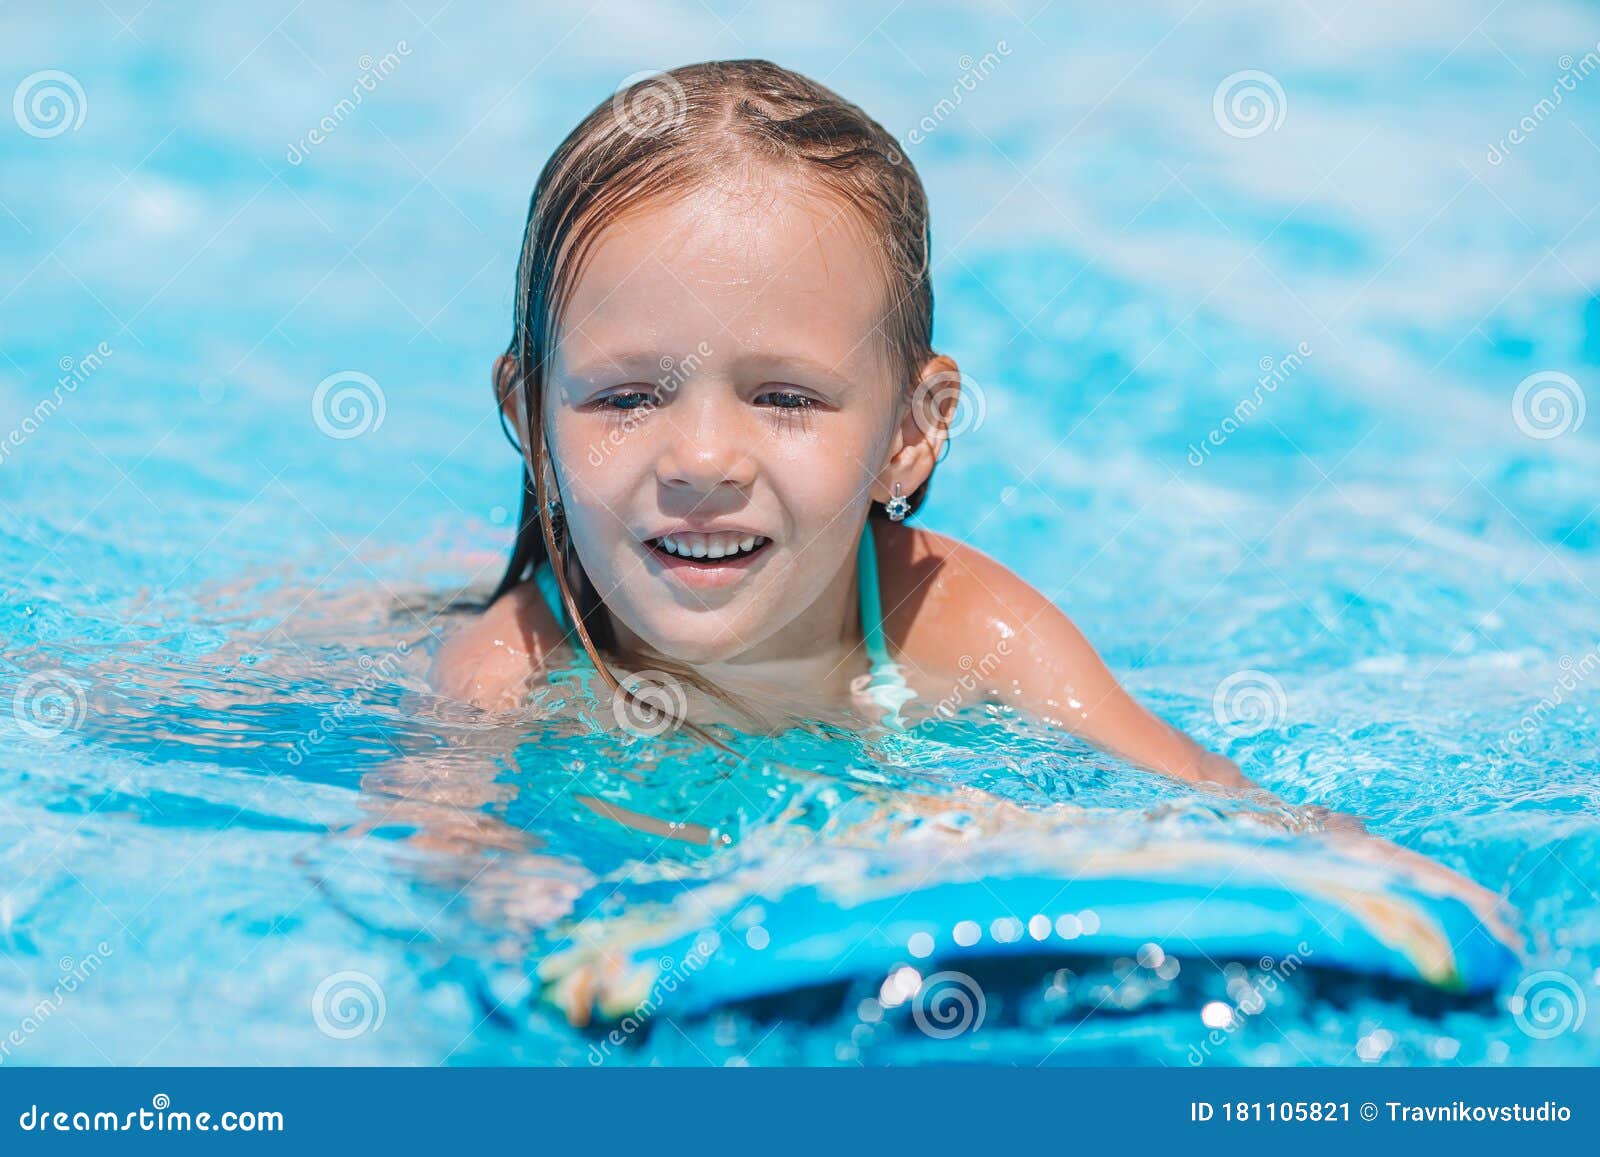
<point>695,646</point>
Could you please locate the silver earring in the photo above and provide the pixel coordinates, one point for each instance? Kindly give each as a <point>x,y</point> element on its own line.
<point>897,507</point>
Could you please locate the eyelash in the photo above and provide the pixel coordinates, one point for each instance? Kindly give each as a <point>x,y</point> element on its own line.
<point>787,415</point>
<point>805,403</point>
<point>644,398</point>
<point>794,409</point>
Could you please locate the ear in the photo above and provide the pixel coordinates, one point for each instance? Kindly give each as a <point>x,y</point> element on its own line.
<point>509,394</point>
<point>923,429</point>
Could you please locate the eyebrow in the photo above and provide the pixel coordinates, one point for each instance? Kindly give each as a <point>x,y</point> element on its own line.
<point>626,364</point>
<point>820,369</point>
<point>647,366</point>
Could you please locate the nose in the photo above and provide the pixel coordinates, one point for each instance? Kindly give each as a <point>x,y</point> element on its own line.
<point>705,444</point>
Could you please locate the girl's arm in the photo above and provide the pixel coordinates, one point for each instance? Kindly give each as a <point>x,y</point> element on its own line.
<point>957,612</point>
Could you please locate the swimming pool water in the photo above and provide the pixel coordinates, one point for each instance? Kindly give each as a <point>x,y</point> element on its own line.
<point>238,828</point>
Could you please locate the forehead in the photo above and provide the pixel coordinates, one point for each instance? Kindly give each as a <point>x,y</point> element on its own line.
<point>753,266</point>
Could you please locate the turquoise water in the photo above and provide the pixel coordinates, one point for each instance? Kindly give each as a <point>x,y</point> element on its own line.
<point>237,827</point>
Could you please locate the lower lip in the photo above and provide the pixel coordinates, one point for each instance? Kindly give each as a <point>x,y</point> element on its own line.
<point>703,575</point>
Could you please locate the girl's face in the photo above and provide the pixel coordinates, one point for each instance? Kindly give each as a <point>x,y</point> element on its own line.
<point>720,388</point>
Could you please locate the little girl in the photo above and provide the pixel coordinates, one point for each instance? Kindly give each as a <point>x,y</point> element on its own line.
<point>722,380</point>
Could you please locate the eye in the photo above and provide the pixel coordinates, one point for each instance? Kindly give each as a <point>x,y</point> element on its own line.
<point>785,400</point>
<point>626,400</point>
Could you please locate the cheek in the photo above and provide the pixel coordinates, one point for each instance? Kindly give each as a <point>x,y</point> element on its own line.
<point>585,446</point>
<point>817,493</point>
<point>829,474</point>
<point>595,491</point>
<point>598,465</point>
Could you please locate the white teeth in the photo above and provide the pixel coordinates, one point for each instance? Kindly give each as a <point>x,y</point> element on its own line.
<point>709,545</point>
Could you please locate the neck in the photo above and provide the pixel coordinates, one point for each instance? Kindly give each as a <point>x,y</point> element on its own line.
<point>815,654</point>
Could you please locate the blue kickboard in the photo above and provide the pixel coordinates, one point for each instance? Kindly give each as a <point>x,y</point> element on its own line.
<point>701,958</point>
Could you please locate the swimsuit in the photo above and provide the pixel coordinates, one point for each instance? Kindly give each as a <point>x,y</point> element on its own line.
<point>884,685</point>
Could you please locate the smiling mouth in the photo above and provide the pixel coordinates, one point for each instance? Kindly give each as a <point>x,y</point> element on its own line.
<point>708,550</point>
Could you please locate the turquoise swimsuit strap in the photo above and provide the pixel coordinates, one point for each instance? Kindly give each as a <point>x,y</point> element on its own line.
<point>885,685</point>
<point>871,600</point>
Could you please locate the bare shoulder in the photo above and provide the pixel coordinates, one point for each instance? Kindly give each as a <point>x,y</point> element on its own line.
<point>490,662</point>
<point>944,600</point>
<point>964,622</point>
